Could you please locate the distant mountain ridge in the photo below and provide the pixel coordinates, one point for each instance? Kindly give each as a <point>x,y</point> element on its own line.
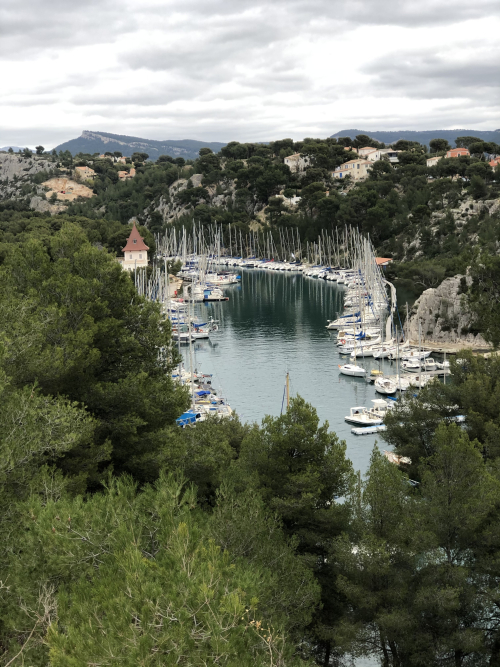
<point>16,149</point>
<point>100,142</point>
<point>422,136</point>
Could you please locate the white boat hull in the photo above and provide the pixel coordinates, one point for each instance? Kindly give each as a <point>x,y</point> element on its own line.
<point>386,387</point>
<point>353,371</point>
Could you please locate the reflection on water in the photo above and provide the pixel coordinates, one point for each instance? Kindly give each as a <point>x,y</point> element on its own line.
<point>274,322</point>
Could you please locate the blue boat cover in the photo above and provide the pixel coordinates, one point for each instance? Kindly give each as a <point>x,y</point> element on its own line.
<point>188,417</point>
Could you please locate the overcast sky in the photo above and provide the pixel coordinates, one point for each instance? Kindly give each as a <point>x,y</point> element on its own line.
<point>224,70</point>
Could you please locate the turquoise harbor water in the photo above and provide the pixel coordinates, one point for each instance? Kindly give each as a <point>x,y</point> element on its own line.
<point>274,322</point>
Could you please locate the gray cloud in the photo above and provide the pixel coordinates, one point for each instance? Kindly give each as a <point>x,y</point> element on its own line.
<point>32,26</point>
<point>374,12</point>
<point>220,70</point>
<point>433,75</point>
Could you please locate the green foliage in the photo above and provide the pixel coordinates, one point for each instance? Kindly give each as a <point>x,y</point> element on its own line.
<point>138,576</point>
<point>416,593</point>
<point>439,145</point>
<point>76,327</point>
<point>465,142</point>
<point>483,296</point>
<point>242,526</point>
<point>474,393</point>
<point>298,468</point>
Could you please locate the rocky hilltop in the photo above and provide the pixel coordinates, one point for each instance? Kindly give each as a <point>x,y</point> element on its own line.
<point>17,182</point>
<point>99,142</point>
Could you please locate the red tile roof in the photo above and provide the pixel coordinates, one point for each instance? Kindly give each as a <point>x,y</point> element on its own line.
<point>456,152</point>
<point>135,241</point>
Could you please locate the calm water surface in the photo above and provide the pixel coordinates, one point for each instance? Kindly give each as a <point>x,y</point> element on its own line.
<point>274,322</point>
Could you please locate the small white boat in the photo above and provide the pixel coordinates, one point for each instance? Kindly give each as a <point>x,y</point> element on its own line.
<point>356,347</point>
<point>372,417</point>
<point>363,417</point>
<point>402,383</point>
<point>385,386</point>
<point>416,365</point>
<point>407,355</point>
<point>380,407</point>
<point>421,379</point>
<point>352,370</point>
<point>384,352</point>
<point>371,350</point>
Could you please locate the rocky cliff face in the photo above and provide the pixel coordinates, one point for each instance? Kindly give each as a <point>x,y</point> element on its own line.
<point>443,317</point>
<point>15,173</point>
<point>15,166</point>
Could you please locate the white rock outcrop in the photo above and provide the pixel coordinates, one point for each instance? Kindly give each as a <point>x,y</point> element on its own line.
<point>443,317</point>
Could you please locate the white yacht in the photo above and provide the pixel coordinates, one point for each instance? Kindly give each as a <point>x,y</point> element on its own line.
<point>385,386</point>
<point>352,370</point>
<point>416,365</point>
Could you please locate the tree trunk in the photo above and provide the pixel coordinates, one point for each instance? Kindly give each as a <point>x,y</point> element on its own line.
<point>386,662</point>
<point>495,653</point>
<point>395,656</point>
<point>328,650</point>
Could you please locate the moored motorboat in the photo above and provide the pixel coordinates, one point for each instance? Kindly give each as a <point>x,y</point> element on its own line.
<point>416,365</point>
<point>360,416</point>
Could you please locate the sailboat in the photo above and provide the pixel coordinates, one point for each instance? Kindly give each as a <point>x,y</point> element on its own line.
<point>352,369</point>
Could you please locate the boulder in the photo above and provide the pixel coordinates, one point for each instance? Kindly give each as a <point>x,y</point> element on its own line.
<point>443,317</point>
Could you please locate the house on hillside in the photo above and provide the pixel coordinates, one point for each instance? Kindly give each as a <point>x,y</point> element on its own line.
<point>363,152</point>
<point>124,175</point>
<point>113,158</point>
<point>494,162</point>
<point>457,152</point>
<point>135,252</point>
<point>356,169</point>
<point>84,172</point>
<point>390,154</point>
<point>375,154</point>
<point>433,160</point>
<point>297,162</point>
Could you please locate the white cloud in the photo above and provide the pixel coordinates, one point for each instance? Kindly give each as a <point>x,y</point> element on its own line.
<point>244,70</point>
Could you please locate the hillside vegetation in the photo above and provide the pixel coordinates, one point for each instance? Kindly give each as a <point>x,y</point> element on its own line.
<point>128,541</point>
<point>423,137</point>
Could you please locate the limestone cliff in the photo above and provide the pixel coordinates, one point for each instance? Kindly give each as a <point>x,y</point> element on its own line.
<point>444,318</point>
<point>16,172</point>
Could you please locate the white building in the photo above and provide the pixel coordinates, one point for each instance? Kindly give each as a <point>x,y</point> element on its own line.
<point>363,152</point>
<point>297,162</point>
<point>135,252</point>
<point>373,155</point>
<point>356,169</point>
<point>389,153</point>
<point>433,160</point>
